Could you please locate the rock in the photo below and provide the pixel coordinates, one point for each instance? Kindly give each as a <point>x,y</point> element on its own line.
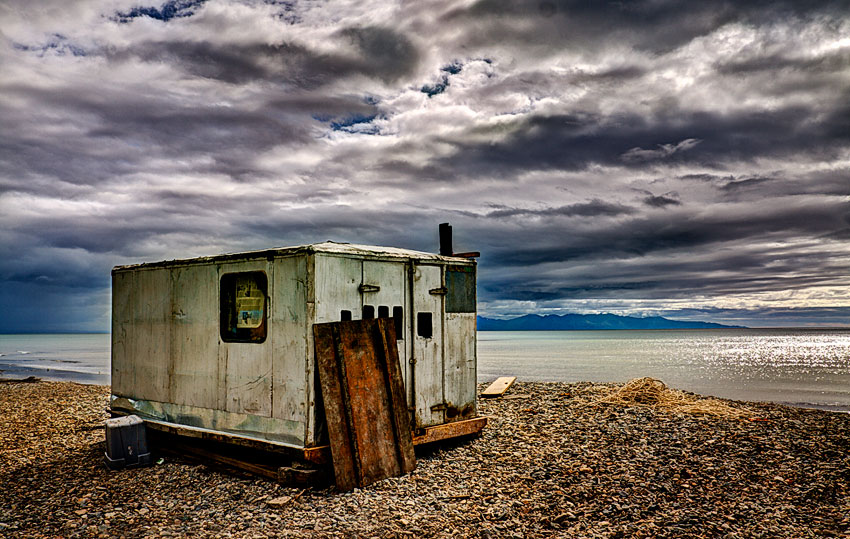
<point>280,501</point>
<point>575,468</point>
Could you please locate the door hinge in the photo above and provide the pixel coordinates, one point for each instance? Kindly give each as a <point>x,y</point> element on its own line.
<point>438,407</point>
<point>363,288</point>
<point>442,291</point>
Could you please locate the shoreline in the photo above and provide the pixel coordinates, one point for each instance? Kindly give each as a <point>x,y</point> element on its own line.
<point>554,461</point>
<point>40,376</point>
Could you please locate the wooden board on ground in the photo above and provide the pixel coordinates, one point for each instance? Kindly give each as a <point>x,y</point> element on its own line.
<point>365,407</point>
<point>498,388</point>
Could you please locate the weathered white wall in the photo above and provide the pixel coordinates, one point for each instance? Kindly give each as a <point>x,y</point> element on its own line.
<point>428,352</point>
<point>141,314</point>
<point>247,366</point>
<point>290,325</point>
<point>460,375</point>
<point>193,370</point>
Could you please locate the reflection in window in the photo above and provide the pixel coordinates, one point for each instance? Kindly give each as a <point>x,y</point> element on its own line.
<point>243,307</point>
<point>460,285</point>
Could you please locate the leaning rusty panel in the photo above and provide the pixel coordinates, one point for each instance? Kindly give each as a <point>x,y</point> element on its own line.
<point>364,401</point>
<point>388,355</point>
<point>325,338</point>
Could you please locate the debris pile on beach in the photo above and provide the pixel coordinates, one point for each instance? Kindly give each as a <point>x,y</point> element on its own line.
<point>554,461</point>
<point>654,393</point>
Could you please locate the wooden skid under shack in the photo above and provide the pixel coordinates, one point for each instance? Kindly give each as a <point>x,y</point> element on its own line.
<point>291,466</point>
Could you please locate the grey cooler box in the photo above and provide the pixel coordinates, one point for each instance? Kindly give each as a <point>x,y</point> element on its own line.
<point>126,444</point>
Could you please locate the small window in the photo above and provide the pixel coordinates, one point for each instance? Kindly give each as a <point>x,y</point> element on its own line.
<point>243,307</point>
<point>368,312</point>
<point>383,311</point>
<point>344,315</point>
<point>460,289</point>
<point>424,327</point>
<point>398,319</point>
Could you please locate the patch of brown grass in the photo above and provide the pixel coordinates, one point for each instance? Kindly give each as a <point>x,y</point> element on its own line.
<point>654,393</point>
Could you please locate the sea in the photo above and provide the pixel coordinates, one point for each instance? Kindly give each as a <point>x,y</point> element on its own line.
<point>800,367</point>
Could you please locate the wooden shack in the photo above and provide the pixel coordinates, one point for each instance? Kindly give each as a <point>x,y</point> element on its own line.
<point>221,347</point>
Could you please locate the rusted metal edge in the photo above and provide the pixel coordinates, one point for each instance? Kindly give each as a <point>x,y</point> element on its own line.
<point>451,430</point>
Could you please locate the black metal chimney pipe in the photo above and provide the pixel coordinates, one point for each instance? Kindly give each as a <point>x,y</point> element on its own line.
<point>446,239</point>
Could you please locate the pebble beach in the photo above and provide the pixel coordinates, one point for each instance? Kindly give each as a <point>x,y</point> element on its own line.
<point>556,460</point>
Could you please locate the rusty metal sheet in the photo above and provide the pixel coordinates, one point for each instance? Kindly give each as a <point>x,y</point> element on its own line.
<point>448,431</point>
<point>363,394</point>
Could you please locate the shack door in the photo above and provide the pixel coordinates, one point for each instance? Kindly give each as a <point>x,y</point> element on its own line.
<point>383,295</point>
<point>428,345</point>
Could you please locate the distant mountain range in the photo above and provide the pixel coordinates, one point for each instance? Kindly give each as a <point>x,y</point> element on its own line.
<point>554,322</point>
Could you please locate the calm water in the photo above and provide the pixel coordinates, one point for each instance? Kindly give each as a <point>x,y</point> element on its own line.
<point>78,358</point>
<point>802,367</point>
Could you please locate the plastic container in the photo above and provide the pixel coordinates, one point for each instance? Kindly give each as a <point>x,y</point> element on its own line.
<point>126,443</point>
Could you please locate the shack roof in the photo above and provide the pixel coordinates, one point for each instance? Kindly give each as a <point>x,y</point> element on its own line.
<point>331,247</point>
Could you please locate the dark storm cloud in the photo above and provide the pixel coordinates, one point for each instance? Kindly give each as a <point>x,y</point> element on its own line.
<point>229,137</point>
<point>639,154</point>
<point>386,54</point>
<point>819,65</point>
<point>829,182</point>
<point>593,208</point>
<point>746,270</point>
<point>648,24</point>
<point>685,231</point>
<point>286,63</point>
<point>661,201</point>
<point>574,142</point>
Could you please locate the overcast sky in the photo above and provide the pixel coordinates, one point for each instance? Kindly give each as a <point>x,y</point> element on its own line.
<point>687,159</point>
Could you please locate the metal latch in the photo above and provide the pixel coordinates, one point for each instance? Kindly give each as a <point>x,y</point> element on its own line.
<point>442,291</point>
<point>438,407</point>
<point>363,288</point>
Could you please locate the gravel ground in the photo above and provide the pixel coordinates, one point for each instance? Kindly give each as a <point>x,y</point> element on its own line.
<point>551,463</point>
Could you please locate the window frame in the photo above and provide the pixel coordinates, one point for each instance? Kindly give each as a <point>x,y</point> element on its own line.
<point>227,305</point>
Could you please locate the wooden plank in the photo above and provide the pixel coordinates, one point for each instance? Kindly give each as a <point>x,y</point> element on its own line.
<point>389,357</point>
<point>315,455</point>
<point>288,475</point>
<point>326,339</point>
<point>438,433</point>
<point>498,388</point>
<point>451,430</point>
<point>364,401</point>
<point>192,451</point>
